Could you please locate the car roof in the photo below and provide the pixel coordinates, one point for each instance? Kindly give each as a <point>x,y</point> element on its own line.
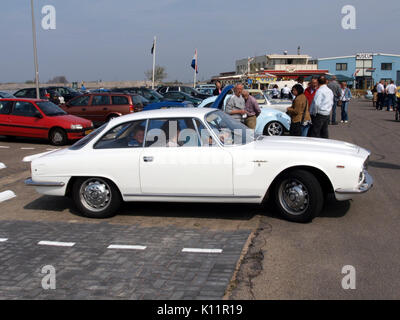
<point>160,113</point>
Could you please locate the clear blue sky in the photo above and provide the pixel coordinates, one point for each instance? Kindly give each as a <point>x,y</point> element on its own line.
<point>111,39</point>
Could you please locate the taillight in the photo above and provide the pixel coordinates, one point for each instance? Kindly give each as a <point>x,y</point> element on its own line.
<point>136,108</point>
<point>47,95</point>
<point>131,108</point>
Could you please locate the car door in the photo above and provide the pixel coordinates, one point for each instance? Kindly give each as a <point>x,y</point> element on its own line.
<point>99,108</point>
<point>26,120</point>
<point>5,109</point>
<point>117,153</point>
<point>78,106</point>
<point>191,168</point>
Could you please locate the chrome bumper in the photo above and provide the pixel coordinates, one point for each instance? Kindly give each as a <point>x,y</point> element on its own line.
<point>30,182</point>
<point>362,188</point>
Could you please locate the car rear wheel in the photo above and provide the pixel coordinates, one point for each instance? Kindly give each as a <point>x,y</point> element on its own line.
<point>299,196</point>
<point>58,137</point>
<point>273,128</point>
<point>96,197</point>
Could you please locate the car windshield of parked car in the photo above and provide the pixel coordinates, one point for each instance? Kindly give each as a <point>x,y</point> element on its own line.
<point>85,140</point>
<point>50,109</point>
<point>229,130</point>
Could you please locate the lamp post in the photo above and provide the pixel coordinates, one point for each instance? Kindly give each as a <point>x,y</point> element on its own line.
<point>35,53</point>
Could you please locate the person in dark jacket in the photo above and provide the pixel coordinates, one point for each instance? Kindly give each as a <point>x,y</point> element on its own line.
<point>218,89</point>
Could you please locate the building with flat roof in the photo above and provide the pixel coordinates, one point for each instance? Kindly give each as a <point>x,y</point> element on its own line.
<point>365,68</point>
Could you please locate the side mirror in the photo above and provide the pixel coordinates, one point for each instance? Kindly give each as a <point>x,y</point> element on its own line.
<point>38,115</point>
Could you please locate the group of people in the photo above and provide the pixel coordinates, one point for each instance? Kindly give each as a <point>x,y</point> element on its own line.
<point>314,108</point>
<point>384,95</point>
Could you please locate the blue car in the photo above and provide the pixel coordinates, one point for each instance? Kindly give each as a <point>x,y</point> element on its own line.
<point>270,122</point>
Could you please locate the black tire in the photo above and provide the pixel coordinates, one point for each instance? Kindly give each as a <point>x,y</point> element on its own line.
<point>298,196</point>
<point>273,128</point>
<point>83,204</point>
<point>58,137</point>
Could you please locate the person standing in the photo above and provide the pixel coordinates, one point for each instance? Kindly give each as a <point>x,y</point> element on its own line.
<point>345,98</point>
<point>218,88</point>
<point>275,92</point>
<point>335,87</point>
<point>311,90</point>
<point>285,92</point>
<point>391,96</point>
<point>299,113</point>
<point>320,110</point>
<point>380,89</point>
<point>252,110</point>
<point>236,104</point>
<point>374,95</point>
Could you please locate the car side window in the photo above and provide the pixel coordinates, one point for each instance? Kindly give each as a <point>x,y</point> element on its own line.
<point>25,109</point>
<point>172,132</point>
<point>20,93</point>
<point>206,138</point>
<point>126,135</point>
<point>100,100</point>
<point>119,100</point>
<point>80,101</point>
<point>5,107</point>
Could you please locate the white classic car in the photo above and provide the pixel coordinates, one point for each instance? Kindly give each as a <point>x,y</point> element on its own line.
<point>198,155</point>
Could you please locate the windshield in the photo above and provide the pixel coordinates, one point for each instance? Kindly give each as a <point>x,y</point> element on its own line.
<point>140,100</point>
<point>229,130</point>
<point>50,109</point>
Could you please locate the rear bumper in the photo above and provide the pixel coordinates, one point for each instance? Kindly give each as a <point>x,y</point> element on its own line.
<point>365,186</point>
<point>30,182</point>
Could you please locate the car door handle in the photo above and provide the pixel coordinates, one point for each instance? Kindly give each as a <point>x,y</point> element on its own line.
<point>148,159</point>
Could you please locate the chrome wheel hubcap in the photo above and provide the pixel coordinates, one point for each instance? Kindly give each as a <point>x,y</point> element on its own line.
<point>57,137</point>
<point>293,196</point>
<point>275,129</point>
<point>95,194</point>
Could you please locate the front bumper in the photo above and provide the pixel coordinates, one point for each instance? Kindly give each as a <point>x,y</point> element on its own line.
<point>74,134</point>
<point>365,186</point>
<point>30,182</point>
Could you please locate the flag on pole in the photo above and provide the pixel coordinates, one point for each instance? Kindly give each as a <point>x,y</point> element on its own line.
<point>152,48</point>
<point>194,62</point>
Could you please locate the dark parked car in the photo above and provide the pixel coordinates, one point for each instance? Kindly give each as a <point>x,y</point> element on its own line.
<point>66,92</point>
<point>5,95</point>
<point>149,94</point>
<point>180,97</point>
<point>187,90</point>
<point>45,93</point>
<point>102,107</point>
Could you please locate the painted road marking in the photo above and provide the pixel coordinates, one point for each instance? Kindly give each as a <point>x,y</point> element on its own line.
<point>3,239</point>
<point>2,165</point>
<point>28,148</point>
<point>4,147</point>
<point>56,243</point>
<point>196,250</point>
<point>120,246</point>
<point>7,195</point>
<point>52,149</point>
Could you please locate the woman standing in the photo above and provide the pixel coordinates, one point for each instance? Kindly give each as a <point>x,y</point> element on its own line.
<point>299,113</point>
<point>345,98</point>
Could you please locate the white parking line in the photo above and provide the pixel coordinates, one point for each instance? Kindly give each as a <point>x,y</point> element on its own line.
<point>2,165</point>
<point>52,149</point>
<point>4,147</point>
<point>3,239</point>
<point>120,246</point>
<point>7,195</point>
<point>28,148</point>
<point>56,243</point>
<point>196,250</point>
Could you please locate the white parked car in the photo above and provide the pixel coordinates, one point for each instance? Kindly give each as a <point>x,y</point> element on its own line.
<point>198,155</point>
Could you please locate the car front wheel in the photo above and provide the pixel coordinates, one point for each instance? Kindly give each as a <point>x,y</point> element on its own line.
<point>58,137</point>
<point>299,196</point>
<point>273,128</point>
<point>96,197</point>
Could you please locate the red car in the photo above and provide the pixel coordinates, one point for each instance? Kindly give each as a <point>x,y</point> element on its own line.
<point>40,119</point>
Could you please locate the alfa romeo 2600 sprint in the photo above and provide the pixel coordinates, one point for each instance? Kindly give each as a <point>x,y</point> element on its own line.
<point>199,155</point>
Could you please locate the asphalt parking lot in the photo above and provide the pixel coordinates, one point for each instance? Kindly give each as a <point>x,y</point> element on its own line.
<point>277,259</point>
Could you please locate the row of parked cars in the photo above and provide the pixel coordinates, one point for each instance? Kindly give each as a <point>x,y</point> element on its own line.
<point>73,114</point>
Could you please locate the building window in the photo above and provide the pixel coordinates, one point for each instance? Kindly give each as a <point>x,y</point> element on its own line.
<point>341,66</point>
<point>386,66</point>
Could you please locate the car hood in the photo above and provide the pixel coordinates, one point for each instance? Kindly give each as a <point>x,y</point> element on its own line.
<point>303,144</point>
<point>70,119</point>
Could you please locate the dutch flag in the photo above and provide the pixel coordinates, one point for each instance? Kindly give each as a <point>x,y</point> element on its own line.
<point>194,62</point>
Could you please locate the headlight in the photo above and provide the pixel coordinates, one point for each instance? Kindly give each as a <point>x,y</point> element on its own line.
<point>76,127</point>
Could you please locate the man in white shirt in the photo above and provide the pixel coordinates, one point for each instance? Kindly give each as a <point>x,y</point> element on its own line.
<point>381,95</point>
<point>391,96</point>
<point>320,110</point>
<point>285,92</point>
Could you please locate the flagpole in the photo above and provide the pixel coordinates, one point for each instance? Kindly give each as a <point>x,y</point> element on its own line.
<point>195,70</point>
<point>154,61</point>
